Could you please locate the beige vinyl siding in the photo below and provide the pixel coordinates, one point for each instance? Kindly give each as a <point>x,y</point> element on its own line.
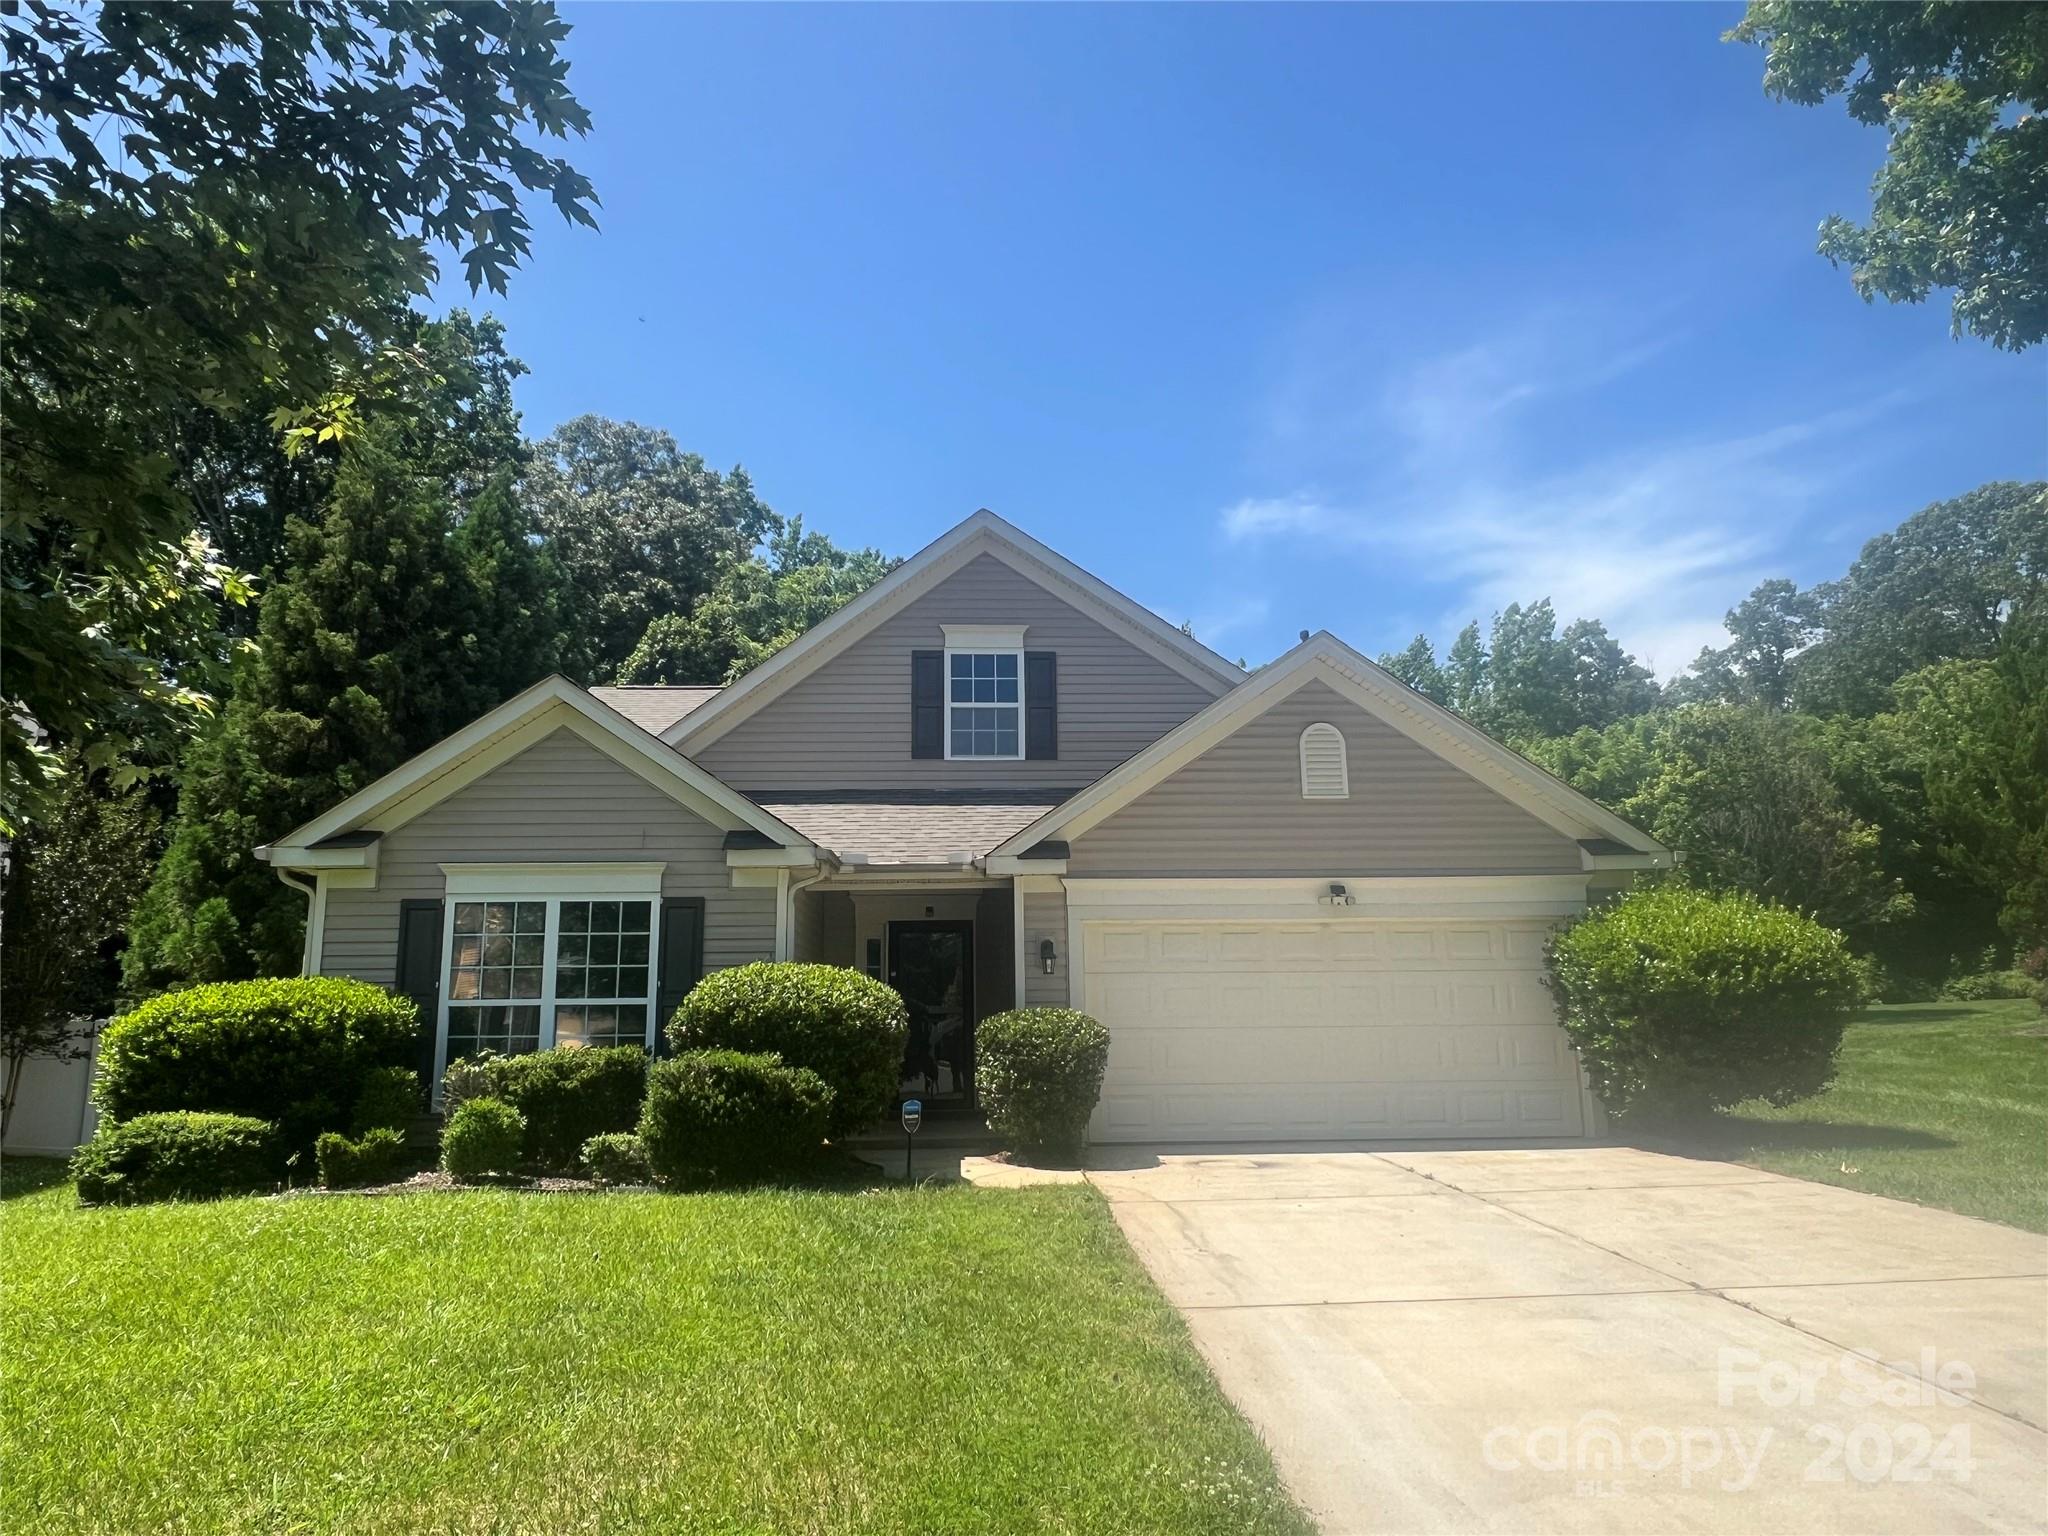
<point>1045,917</point>
<point>824,927</point>
<point>560,801</point>
<point>1238,810</point>
<point>847,725</point>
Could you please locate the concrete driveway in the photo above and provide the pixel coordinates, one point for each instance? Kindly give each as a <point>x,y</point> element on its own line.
<point>1592,1338</point>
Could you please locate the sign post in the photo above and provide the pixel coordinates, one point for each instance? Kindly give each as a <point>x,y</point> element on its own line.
<point>913,1117</point>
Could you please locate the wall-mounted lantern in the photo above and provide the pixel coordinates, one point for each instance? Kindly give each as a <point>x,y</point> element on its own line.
<point>1047,955</point>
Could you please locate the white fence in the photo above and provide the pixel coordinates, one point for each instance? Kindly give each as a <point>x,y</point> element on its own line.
<point>53,1112</point>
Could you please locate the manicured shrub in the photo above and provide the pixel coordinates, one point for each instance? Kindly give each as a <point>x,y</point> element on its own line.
<point>485,1138</point>
<point>731,1115</point>
<point>1681,1001</point>
<point>616,1158</point>
<point>294,1051</point>
<point>176,1155</point>
<point>389,1100</point>
<point>569,1095</point>
<point>1038,1072</point>
<point>376,1158</point>
<point>846,1027</point>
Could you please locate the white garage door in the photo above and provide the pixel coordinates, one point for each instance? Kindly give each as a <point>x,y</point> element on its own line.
<point>1306,1031</point>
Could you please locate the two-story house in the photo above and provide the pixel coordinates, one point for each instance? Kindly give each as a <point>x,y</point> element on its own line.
<point>1307,902</point>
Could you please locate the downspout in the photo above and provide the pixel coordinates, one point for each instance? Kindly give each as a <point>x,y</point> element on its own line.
<point>789,891</point>
<point>312,895</point>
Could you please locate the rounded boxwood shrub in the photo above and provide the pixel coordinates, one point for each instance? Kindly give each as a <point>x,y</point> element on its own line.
<point>731,1115</point>
<point>375,1158</point>
<point>1038,1072</point>
<point>485,1138</point>
<point>846,1027</point>
<point>295,1051</point>
<point>616,1158</point>
<point>176,1155</point>
<point>1682,1001</point>
<point>570,1094</point>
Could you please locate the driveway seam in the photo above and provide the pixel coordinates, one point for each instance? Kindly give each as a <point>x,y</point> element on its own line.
<point>1878,1360</point>
<point>1805,1285</point>
<point>1721,1294</point>
<point>1429,1301</point>
<point>1437,1187</point>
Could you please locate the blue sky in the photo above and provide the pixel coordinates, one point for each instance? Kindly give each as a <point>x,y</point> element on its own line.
<point>1371,319</point>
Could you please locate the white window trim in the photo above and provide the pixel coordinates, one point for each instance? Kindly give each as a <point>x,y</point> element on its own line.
<point>551,884</point>
<point>569,880</point>
<point>984,637</point>
<point>983,650</point>
<point>1343,790</point>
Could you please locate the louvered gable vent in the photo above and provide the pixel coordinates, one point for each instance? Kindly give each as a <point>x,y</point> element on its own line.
<point>1323,772</point>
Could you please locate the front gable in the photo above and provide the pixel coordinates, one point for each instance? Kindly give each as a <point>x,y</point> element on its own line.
<point>1384,727</point>
<point>847,722</point>
<point>1239,808</point>
<point>557,801</point>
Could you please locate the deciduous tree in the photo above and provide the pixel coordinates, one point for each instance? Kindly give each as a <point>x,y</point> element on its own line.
<point>641,529</point>
<point>758,607</point>
<point>211,209</point>
<point>1962,199</point>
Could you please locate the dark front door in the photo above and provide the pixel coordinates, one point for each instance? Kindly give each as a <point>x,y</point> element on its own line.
<point>932,965</point>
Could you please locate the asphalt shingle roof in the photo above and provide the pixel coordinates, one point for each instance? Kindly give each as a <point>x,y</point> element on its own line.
<point>909,826</point>
<point>655,707</point>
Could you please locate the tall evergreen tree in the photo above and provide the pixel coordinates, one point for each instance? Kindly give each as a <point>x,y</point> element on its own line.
<point>517,589</point>
<point>364,658</point>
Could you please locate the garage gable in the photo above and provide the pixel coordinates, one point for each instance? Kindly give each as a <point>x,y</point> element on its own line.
<point>1239,808</point>
<point>1261,783</point>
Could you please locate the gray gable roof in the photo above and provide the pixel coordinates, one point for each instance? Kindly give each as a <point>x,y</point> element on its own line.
<point>656,707</point>
<point>909,826</point>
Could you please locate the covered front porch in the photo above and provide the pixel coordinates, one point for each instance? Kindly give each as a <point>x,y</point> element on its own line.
<point>948,944</point>
<point>901,886</point>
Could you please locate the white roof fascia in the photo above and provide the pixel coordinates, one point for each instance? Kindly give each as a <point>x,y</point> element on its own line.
<point>499,735</point>
<point>983,533</point>
<point>1323,657</point>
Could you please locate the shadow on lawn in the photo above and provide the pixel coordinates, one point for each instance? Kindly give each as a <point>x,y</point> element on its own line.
<point>1908,1015</point>
<point>1729,1133</point>
<point>26,1175</point>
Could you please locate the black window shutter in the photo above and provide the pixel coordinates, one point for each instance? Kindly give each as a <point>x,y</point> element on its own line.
<point>682,961</point>
<point>1041,704</point>
<point>419,978</point>
<point>927,703</point>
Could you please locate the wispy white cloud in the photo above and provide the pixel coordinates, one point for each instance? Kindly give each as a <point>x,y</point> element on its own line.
<point>1461,472</point>
<point>1233,616</point>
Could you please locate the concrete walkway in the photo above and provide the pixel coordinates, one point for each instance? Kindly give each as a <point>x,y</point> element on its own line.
<point>1589,1338</point>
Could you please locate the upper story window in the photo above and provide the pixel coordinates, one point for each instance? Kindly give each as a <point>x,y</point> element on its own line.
<point>984,692</point>
<point>984,704</point>
<point>1324,773</point>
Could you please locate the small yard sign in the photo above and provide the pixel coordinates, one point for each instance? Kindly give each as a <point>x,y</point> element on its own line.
<point>913,1117</point>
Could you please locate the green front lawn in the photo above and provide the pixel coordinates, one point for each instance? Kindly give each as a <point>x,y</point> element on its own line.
<point>940,1360</point>
<point>1941,1103</point>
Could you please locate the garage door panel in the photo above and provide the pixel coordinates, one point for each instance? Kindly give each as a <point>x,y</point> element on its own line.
<point>1232,1031</point>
